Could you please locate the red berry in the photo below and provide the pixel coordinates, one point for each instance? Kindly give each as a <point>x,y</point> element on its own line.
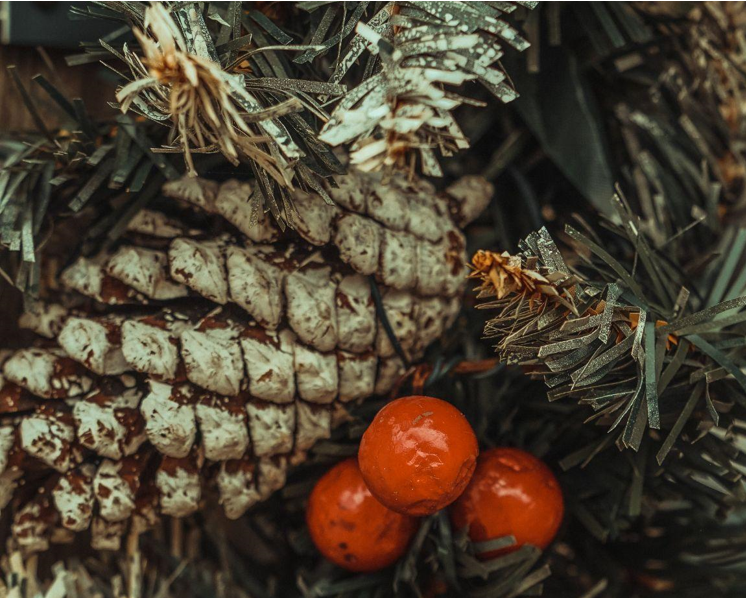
<point>418,455</point>
<point>350,527</point>
<point>511,493</point>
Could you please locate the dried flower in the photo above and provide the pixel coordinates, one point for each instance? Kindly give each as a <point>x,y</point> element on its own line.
<point>211,109</point>
<point>503,274</point>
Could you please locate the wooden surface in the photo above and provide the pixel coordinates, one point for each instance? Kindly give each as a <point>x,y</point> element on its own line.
<point>75,82</point>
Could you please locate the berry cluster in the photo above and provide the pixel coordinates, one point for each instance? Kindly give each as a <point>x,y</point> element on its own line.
<point>418,456</point>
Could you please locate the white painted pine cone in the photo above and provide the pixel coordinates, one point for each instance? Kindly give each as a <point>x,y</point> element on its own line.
<point>221,358</point>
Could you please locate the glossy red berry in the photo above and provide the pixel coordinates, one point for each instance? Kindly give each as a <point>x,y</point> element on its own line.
<point>350,527</point>
<point>418,455</point>
<point>511,493</point>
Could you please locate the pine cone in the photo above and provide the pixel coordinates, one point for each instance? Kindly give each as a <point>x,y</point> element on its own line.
<point>211,349</point>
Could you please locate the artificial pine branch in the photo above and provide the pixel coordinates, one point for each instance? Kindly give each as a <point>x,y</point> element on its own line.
<point>636,339</point>
<point>644,95</point>
<point>404,110</point>
<point>647,350</point>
